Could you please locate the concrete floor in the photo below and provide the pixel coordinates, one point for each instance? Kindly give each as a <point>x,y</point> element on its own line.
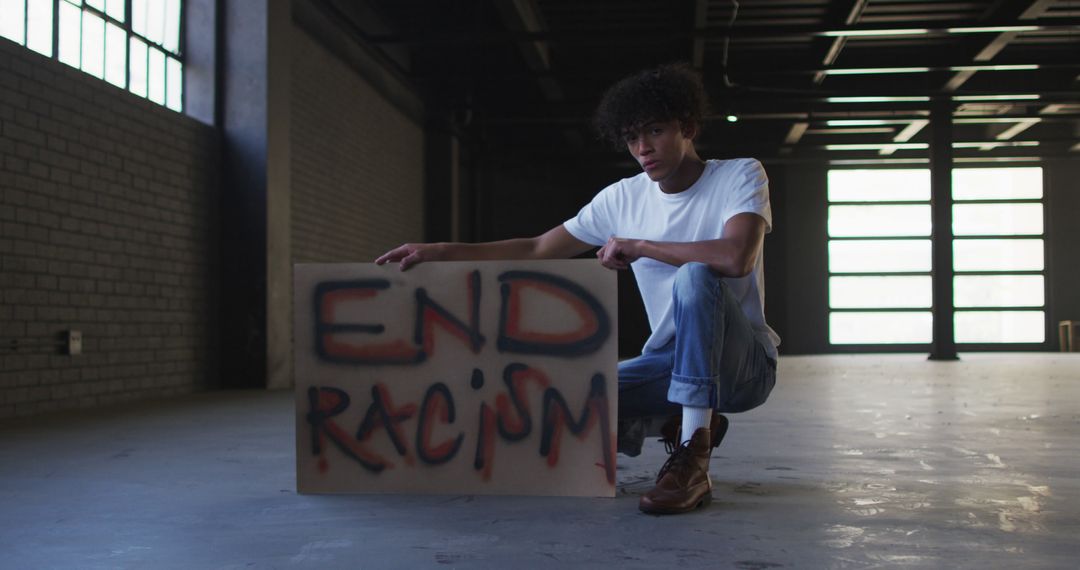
<point>856,462</point>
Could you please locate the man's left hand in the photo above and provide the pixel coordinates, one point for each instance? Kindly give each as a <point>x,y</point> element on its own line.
<point>619,253</point>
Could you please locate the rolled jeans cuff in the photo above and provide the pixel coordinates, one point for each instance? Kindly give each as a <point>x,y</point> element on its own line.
<point>698,392</point>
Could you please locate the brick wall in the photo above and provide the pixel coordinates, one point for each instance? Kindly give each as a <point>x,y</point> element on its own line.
<point>357,163</point>
<point>106,226</point>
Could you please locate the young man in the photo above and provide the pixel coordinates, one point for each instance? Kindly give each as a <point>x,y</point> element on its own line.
<point>692,231</point>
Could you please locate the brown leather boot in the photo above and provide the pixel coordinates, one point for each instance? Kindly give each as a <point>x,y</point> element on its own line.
<point>683,483</point>
<point>671,429</point>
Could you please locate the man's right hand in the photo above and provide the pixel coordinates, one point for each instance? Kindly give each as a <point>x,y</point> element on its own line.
<point>410,254</point>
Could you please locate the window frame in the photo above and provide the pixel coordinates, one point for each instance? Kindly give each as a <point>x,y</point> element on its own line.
<point>1045,272</point>
<point>872,347</point>
<point>127,26</point>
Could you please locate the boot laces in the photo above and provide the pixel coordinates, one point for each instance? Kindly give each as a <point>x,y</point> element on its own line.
<point>671,441</point>
<point>681,459</point>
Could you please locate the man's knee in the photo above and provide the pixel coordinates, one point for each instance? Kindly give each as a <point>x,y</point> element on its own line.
<point>694,282</point>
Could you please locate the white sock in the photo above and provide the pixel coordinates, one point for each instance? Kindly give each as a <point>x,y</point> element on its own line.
<point>694,418</point>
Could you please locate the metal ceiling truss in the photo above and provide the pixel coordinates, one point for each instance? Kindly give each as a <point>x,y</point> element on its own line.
<point>785,69</point>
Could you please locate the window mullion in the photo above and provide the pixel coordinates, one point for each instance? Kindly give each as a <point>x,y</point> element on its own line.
<point>56,30</point>
<point>127,43</point>
<point>81,38</point>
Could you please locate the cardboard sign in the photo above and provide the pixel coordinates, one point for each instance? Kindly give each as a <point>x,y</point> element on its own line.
<point>457,377</point>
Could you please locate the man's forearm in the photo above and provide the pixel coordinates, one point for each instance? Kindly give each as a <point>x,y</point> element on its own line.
<point>556,243</point>
<point>519,248</point>
<point>726,257</point>
<point>733,255</point>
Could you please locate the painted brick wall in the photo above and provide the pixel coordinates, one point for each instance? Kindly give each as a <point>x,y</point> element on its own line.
<point>357,163</point>
<point>106,226</point>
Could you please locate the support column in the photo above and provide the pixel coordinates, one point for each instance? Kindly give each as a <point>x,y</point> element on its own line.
<point>255,213</point>
<point>1061,183</point>
<point>279,277</point>
<point>943,346</point>
<point>201,74</point>
<point>442,186</point>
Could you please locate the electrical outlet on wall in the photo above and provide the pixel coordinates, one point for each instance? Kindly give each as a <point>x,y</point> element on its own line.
<point>74,342</point>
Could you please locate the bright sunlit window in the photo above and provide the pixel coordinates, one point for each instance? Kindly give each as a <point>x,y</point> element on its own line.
<point>880,283</point>
<point>139,51</point>
<point>999,286</point>
<point>880,289</point>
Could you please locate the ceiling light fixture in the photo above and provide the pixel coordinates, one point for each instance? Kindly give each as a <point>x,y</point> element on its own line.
<point>991,29</point>
<point>993,144</point>
<point>878,146</point>
<point>1024,67</point>
<point>1018,97</point>
<point>851,131</point>
<point>989,120</point>
<point>862,161</point>
<point>876,70</point>
<point>866,122</point>
<point>864,33</point>
<point>919,99</point>
<point>896,70</point>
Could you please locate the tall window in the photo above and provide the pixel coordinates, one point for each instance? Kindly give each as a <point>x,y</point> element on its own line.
<point>880,284</point>
<point>998,290</point>
<point>139,51</point>
<point>880,289</point>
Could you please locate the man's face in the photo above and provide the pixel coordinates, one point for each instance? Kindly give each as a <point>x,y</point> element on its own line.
<point>659,147</point>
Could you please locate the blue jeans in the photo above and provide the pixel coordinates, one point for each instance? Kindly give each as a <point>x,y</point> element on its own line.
<point>715,361</point>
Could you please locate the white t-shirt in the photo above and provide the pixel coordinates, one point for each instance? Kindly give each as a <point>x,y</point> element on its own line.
<point>636,208</point>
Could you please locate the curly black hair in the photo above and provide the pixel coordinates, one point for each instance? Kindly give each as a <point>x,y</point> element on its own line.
<point>672,91</point>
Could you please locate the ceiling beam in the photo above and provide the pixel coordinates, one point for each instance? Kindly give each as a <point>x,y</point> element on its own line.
<point>1058,109</point>
<point>1036,9</point>
<point>911,130</point>
<point>496,74</point>
<point>905,135</point>
<point>831,55</point>
<point>994,47</point>
<point>957,80</point>
<point>859,116</point>
<point>1016,129</point>
<point>760,32</point>
<point>523,16</point>
<point>795,133</point>
<point>838,43</point>
<point>701,10</point>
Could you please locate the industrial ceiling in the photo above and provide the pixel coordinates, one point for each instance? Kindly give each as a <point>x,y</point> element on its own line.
<point>841,80</point>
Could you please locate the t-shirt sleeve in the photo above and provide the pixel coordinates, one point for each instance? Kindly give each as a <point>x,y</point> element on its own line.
<point>750,193</point>
<point>595,223</point>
